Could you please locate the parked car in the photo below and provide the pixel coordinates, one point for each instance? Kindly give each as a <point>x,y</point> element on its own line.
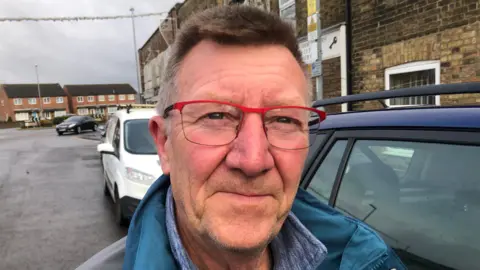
<point>129,159</point>
<point>410,173</point>
<point>76,124</point>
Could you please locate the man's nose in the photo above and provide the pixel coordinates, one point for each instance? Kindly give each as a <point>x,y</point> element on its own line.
<point>250,150</point>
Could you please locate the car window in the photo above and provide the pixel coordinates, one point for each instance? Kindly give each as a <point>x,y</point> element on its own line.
<point>137,137</point>
<point>116,138</point>
<point>423,198</point>
<point>110,129</point>
<point>322,182</point>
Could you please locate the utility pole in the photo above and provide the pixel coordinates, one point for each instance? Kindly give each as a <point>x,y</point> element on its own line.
<point>136,56</point>
<point>319,78</point>
<point>39,96</point>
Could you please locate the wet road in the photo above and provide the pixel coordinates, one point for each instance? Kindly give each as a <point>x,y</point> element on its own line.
<point>53,214</point>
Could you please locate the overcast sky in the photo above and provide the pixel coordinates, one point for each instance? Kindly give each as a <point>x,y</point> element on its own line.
<point>74,52</point>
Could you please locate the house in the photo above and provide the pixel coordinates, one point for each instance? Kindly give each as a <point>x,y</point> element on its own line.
<point>20,102</point>
<point>99,99</point>
<point>372,46</point>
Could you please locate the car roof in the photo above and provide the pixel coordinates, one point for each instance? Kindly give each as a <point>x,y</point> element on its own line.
<point>431,117</point>
<point>135,114</point>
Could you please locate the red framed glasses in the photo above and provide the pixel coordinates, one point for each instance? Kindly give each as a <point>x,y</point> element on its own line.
<point>216,123</point>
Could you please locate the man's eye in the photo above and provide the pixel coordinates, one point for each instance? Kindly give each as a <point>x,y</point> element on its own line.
<point>284,120</point>
<point>215,115</point>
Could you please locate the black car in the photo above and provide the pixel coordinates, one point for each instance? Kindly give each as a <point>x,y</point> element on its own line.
<point>77,124</point>
<point>410,173</point>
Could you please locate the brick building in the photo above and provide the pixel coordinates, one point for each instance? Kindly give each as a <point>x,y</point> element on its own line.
<point>20,102</point>
<point>400,43</point>
<point>373,45</point>
<point>99,99</point>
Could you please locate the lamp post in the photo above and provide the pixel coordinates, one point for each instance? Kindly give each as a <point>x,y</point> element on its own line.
<point>39,96</point>
<point>137,69</point>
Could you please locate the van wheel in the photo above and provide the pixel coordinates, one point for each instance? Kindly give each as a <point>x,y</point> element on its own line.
<point>119,217</point>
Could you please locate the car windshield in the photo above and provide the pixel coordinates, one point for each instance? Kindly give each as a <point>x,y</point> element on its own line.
<point>138,139</point>
<point>73,119</point>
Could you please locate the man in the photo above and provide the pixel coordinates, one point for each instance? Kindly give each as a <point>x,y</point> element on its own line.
<point>232,137</point>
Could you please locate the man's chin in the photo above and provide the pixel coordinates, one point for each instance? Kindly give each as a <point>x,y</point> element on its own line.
<point>249,238</point>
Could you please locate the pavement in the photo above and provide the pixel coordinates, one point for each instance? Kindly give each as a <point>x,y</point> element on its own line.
<point>53,214</point>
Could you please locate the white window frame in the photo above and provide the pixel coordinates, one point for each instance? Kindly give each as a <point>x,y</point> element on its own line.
<point>59,100</point>
<point>121,97</point>
<point>46,100</point>
<point>23,118</point>
<point>111,97</point>
<point>32,101</point>
<point>91,99</point>
<point>80,99</point>
<point>131,97</point>
<point>82,111</point>
<point>101,98</point>
<point>287,3</point>
<point>111,110</point>
<point>412,67</point>
<point>17,101</point>
<point>59,113</point>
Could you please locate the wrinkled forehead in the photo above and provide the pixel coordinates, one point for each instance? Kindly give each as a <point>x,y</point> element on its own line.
<point>267,74</point>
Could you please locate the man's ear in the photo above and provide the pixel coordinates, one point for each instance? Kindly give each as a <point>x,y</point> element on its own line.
<point>157,129</point>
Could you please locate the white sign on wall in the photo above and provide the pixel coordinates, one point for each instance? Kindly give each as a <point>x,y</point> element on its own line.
<point>332,44</point>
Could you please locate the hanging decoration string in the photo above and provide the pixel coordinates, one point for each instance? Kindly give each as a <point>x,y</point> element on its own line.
<point>80,18</point>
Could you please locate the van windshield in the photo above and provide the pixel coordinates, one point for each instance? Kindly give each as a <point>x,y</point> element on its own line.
<point>138,139</point>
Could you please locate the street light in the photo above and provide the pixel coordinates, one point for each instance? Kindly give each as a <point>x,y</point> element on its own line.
<point>135,51</point>
<point>39,95</point>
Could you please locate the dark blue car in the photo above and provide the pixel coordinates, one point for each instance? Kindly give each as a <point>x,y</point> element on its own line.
<point>412,174</point>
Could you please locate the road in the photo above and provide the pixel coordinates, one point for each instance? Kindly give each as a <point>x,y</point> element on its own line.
<point>53,214</point>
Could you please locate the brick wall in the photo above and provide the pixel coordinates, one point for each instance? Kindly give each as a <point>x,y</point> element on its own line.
<point>332,82</point>
<point>332,12</point>
<point>390,33</point>
<point>10,107</point>
<point>96,102</point>
<point>5,108</point>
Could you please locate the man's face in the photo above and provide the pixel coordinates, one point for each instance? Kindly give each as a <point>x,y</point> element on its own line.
<point>237,195</point>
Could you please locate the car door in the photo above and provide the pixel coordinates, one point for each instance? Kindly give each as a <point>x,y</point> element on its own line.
<point>115,164</point>
<point>419,189</point>
<point>109,159</point>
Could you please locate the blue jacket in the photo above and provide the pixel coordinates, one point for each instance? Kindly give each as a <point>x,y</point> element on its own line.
<point>351,244</point>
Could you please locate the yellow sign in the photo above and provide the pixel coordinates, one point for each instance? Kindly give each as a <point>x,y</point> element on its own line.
<point>311,7</point>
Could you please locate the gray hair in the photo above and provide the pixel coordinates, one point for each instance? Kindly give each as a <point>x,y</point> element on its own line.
<point>227,25</point>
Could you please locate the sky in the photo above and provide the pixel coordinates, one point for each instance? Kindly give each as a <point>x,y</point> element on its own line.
<point>83,52</point>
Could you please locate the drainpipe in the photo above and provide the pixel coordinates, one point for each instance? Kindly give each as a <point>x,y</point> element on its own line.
<point>348,44</point>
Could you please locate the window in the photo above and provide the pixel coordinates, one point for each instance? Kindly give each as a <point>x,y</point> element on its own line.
<point>80,99</point>
<point>322,182</point>
<point>288,13</point>
<point>411,75</point>
<point>137,137</point>
<point>17,101</point>
<point>91,98</point>
<point>23,116</point>
<point>131,97</point>
<point>83,111</point>
<point>111,97</point>
<point>60,113</point>
<point>59,100</point>
<point>423,198</point>
<point>32,101</point>
<point>111,109</point>
<point>101,98</point>
<point>46,100</point>
<point>116,139</point>
<point>46,115</point>
<point>121,97</point>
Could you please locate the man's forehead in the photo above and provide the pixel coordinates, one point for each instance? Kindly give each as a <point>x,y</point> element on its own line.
<point>228,73</point>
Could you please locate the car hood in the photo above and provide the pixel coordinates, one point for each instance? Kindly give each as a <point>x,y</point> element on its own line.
<point>66,124</point>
